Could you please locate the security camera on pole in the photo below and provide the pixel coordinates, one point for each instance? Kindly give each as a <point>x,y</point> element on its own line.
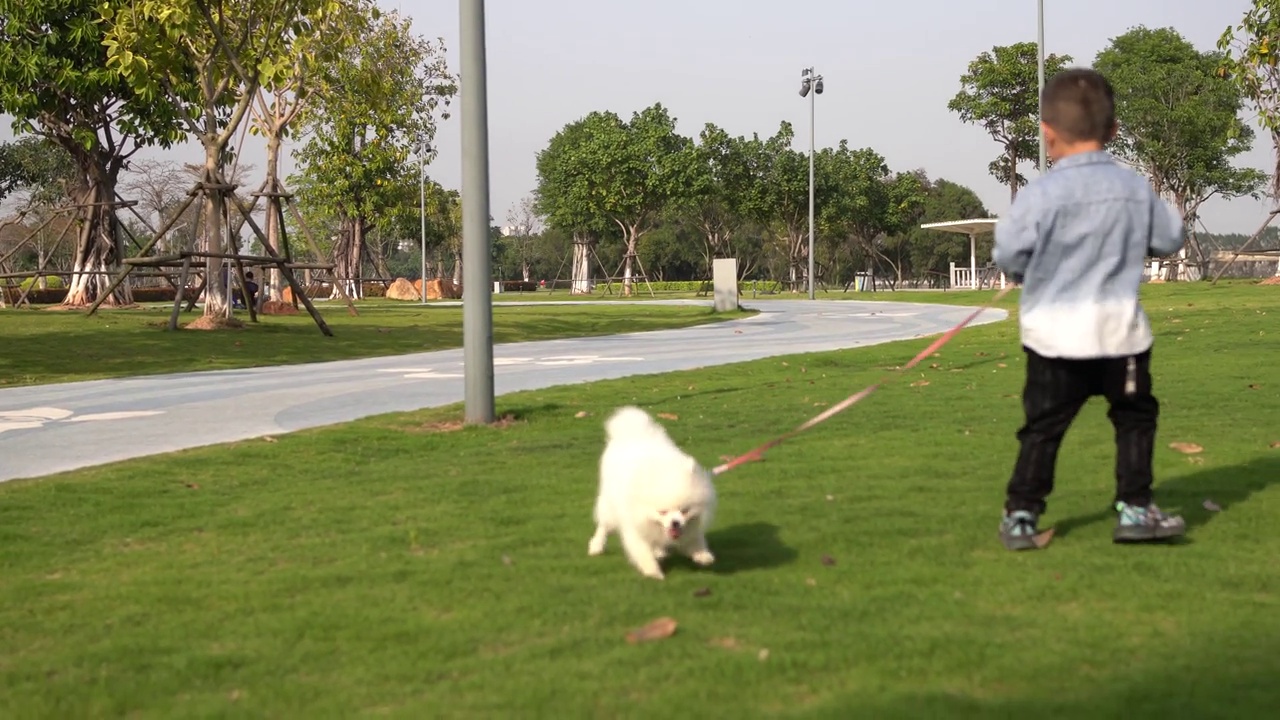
<point>810,81</point>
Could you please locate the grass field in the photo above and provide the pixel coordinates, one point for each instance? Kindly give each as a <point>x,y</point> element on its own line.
<point>45,347</point>
<point>390,568</point>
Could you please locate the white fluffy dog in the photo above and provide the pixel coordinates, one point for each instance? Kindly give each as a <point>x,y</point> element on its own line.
<point>654,495</point>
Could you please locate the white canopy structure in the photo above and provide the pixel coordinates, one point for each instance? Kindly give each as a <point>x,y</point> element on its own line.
<point>973,228</point>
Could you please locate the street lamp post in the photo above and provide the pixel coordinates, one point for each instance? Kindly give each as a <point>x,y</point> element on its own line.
<point>477,245</point>
<point>811,81</point>
<point>1040,61</point>
<point>422,215</point>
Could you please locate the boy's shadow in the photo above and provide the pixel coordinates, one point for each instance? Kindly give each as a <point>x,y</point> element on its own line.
<point>1186,495</point>
<point>751,546</point>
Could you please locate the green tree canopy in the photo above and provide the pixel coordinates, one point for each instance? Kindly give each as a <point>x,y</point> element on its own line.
<point>1001,92</point>
<point>1179,119</point>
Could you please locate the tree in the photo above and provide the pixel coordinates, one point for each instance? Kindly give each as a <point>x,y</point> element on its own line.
<point>523,219</point>
<point>566,196</point>
<point>207,59</point>
<point>783,200</point>
<point>864,201</point>
<point>1000,92</point>
<point>1252,62</point>
<point>284,96</point>
<point>37,166</point>
<point>627,172</point>
<point>931,252</point>
<point>373,106</point>
<point>55,80</point>
<point>723,190</point>
<point>1178,122</point>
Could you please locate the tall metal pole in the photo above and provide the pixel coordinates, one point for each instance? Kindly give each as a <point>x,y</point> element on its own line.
<point>422,215</point>
<point>1040,58</point>
<point>813,95</point>
<point>477,298</point>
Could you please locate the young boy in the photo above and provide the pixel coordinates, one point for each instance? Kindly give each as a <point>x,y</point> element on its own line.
<point>1077,240</point>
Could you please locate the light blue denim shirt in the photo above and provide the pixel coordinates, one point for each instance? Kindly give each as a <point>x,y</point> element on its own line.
<point>1077,239</point>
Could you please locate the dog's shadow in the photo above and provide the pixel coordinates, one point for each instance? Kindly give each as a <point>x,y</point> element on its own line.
<point>1225,487</point>
<point>740,548</point>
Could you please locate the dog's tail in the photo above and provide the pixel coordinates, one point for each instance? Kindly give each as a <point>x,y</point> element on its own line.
<point>629,421</point>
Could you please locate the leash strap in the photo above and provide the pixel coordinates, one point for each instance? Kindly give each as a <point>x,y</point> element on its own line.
<point>758,453</point>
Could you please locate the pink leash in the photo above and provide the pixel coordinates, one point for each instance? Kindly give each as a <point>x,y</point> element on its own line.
<point>758,453</point>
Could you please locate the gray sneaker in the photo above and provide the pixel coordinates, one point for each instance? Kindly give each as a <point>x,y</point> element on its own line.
<point>1018,530</point>
<point>1138,524</point>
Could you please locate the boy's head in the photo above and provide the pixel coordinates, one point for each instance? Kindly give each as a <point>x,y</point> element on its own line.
<point>1078,112</point>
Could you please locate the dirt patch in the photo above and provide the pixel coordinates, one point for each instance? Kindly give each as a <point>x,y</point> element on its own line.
<point>64,308</point>
<point>1271,281</point>
<point>453,425</point>
<point>214,323</point>
<point>276,307</point>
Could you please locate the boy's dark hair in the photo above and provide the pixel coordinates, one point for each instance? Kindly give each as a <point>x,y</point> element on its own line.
<point>1079,105</point>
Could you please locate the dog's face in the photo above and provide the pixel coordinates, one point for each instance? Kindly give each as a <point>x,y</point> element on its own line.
<point>675,521</point>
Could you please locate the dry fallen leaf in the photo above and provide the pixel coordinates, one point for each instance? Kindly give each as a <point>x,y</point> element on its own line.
<point>935,366</point>
<point>1275,445</point>
<point>831,498</point>
<point>193,486</point>
<point>1255,386</point>
<point>1001,365</point>
<point>1197,460</point>
<point>810,582</point>
<point>702,592</point>
<point>763,654</point>
<point>668,416</point>
<point>660,629</point>
<point>268,438</point>
<point>920,383</point>
<point>506,560</point>
<point>728,643</point>
<point>1212,506</point>
<point>1186,448</point>
<point>581,414</point>
<point>1043,538</point>
<point>828,560</point>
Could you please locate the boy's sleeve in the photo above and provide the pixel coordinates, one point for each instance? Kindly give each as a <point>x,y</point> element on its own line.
<point>1167,236</point>
<point>1016,236</point>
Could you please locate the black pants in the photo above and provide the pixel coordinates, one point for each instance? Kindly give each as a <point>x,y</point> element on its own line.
<point>1054,393</point>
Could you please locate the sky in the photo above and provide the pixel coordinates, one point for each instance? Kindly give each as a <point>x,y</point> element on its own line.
<point>888,74</point>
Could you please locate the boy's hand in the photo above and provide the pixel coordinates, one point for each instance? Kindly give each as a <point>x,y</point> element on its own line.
<point>1167,233</point>
<point>1016,236</point>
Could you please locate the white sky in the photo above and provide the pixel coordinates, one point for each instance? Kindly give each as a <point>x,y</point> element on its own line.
<point>889,68</point>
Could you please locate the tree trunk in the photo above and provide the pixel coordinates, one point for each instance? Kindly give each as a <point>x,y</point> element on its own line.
<point>348,256</point>
<point>581,270</point>
<point>626,262</point>
<point>98,247</point>
<point>1013,175</point>
<point>217,301</point>
<point>274,286</point>
<point>457,266</point>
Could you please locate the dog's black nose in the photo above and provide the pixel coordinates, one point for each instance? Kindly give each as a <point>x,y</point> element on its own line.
<point>675,524</point>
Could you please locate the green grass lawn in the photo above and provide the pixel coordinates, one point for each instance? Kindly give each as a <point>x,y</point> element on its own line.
<point>389,568</point>
<point>44,347</point>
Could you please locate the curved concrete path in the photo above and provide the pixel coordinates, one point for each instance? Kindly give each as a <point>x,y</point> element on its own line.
<point>46,429</point>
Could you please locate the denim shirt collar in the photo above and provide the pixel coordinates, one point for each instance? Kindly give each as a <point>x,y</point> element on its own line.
<point>1084,158</point>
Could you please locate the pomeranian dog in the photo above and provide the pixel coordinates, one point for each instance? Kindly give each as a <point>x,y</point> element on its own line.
<point>652,494</point>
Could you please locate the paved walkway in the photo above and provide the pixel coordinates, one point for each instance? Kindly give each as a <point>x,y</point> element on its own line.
<point>46,429</point>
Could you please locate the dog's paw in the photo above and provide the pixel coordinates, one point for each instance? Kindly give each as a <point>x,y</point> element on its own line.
<point>595,548</point>
<point>704,557</point>
<point>660,553</point>
<point>655,574</point>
